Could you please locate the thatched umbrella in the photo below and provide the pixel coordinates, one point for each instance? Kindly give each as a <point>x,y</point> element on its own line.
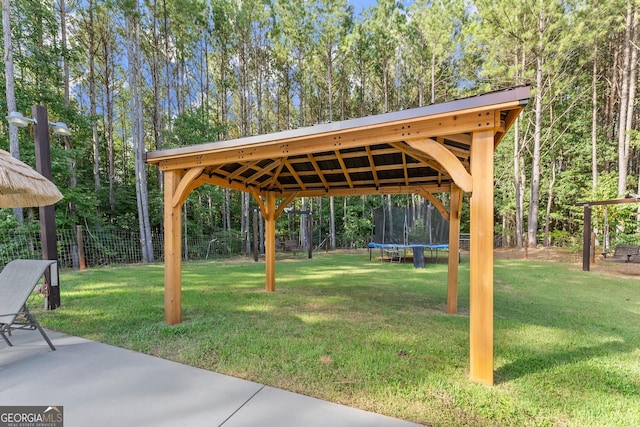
<point>21,186</point>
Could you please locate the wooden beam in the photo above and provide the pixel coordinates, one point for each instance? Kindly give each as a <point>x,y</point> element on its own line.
<point>172,248</point>
<point>404,168</point>
<point>184,189</point>
<point>242,169</point>
<point>293,173</point>
<point>454,249</point>
<point>267,170</point>
<point>316,167</point>
<point>372,164</point>
<point>447,159</point>
<point>284,204</point>
<point>423,161</point>
<point>270,242</point>
<point>436,202</point>
<point>259,201</point>
<point>387,189</point>
<point>481,259</point>
<point>340,140</point>
<point>420,156</point>
<point>345,170</point>
<point>273,182</point>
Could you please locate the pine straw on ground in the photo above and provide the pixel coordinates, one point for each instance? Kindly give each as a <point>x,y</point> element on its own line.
<point>568,256</point>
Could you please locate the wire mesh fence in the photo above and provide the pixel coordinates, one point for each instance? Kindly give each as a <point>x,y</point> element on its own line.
<point>93,248</point>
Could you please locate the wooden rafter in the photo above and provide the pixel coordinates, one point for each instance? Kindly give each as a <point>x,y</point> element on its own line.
<point>293,173</point>
<point>404,168</point>
<point>372,165</point>
<point>264,171</point>
<point>274,180</point>
<point>345,170</point>
<point>318,171</point>
<point>242,169</point>
<point>424,159</point>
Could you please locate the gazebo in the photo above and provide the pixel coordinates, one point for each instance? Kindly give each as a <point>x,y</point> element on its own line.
<point>445,147</point>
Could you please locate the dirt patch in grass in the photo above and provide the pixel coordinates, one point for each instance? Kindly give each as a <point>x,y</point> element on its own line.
<point>573,257</point>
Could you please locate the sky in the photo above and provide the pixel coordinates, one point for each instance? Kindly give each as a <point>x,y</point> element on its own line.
<point>360,5</point>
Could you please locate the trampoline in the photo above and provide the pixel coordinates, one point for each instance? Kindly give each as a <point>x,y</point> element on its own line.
<point>396,251</point>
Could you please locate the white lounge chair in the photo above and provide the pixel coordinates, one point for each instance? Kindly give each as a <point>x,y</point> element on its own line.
<point>17,281</point>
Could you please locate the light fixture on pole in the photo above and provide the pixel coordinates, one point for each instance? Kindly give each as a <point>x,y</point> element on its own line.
<point>43,165</point>
<point>58,128</point>
<point>18,119</point>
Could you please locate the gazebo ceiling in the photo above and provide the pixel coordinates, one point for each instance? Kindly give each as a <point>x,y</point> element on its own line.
<point>410,151</point>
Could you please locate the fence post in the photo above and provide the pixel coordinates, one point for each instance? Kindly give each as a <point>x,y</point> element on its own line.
<point>80,242</point>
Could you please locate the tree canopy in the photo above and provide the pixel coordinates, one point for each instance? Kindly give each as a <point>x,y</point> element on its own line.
<point>135,75</point>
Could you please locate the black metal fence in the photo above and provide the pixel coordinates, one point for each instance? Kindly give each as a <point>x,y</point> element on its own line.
<point>93,248</point>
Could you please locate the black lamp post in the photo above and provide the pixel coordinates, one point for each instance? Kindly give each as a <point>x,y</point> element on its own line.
<point>43,166</point>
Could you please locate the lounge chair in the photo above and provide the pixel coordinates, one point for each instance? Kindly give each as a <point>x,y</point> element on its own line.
<point>17,281</point>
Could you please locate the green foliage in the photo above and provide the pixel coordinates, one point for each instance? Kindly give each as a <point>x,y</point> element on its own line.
<point>627,239</point>
<point>358,229</point>
<point>193,127</point>
<point>215,70</point>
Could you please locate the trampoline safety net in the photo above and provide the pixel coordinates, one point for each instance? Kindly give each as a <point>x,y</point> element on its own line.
<point>422,225</point>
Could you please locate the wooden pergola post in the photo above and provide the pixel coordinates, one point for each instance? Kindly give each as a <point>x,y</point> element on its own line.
<point>172,249</point>
<point>270,241</point>
<point>586,238</point>
<point>481,259</point>
<point>454,248</point>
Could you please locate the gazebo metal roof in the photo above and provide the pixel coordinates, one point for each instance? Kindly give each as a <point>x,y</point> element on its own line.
<point>399,152</point>
<point>445,147</point>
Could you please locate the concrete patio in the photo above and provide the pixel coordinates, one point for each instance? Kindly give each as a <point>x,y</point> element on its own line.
<point>103,385</point>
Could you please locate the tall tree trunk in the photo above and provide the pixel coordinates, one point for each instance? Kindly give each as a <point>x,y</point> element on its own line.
<point>633,72</point>
<point>71,164</point>
<point>227,210</point>
<point>65,56</point>
<point>109,126</point>
<point>137,129</point>
<point>594,120</point>
<point>518,173</point>
<point>92,97</point>
<point>547,216</point>
<point>534,202</point>
<point>623,151</point>
<point>303,224</point>
<point>168,61</point>
<point>433,78</point>
<point>332,223</point>
<point>390,218</point>
<point>155,79</point>
<point>10,90</point>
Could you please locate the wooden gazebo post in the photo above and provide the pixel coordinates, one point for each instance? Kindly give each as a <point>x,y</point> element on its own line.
<point>172,249</point>
<point>454,248</point>
<point>481,259</point>
<point>270,241</point>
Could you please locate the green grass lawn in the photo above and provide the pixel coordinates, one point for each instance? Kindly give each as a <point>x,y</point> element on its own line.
<point>375,336</point>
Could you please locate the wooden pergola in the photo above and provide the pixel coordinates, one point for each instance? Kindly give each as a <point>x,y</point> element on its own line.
<point>588,256</point>
<point>445,147</point>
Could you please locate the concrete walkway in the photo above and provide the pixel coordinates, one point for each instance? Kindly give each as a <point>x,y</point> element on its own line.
<point>101,385</point>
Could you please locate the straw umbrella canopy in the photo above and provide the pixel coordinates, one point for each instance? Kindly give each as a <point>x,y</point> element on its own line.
<point>21,186</point>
